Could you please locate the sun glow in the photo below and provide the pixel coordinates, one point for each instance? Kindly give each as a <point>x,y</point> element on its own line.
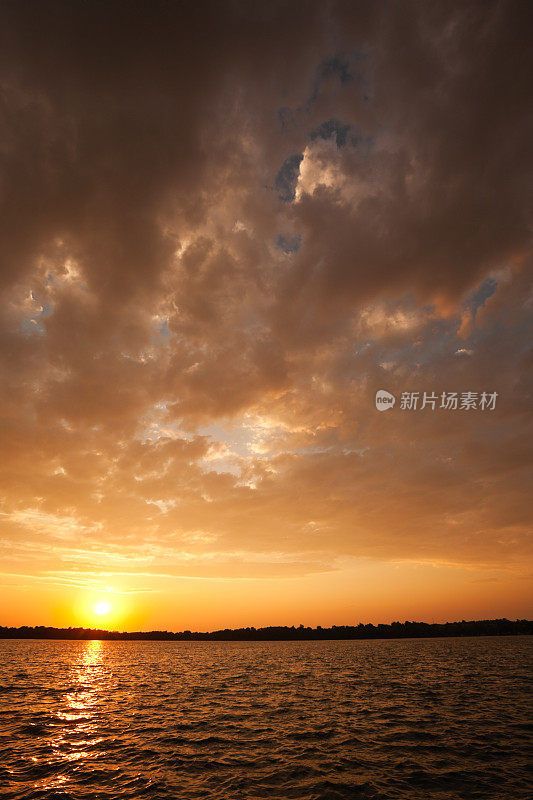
<point>102,608</point>
<point>99,607</point>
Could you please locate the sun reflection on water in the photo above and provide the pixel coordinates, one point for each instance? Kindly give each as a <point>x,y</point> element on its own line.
<point>86,675</point>
<point>76,730</point>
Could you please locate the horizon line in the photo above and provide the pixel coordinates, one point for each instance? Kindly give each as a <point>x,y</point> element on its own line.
<point>407,629</point>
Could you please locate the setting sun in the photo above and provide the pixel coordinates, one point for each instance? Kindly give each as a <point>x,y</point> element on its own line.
<point>102,608</point>
<point>99,607</point>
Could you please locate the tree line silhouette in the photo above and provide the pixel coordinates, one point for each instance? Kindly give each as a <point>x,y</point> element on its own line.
<point>396,630</point>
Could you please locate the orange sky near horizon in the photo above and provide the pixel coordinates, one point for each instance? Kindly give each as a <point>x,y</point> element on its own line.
<point>221,239</point>
<point>365,593</point>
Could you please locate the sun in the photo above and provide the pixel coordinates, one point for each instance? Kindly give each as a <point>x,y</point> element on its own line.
<point>102,608</point>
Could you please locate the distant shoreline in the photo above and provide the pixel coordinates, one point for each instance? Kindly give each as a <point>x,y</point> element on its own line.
<point>396,630</point>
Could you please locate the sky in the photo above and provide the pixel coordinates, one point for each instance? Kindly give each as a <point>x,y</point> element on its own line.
<point>225,227</point>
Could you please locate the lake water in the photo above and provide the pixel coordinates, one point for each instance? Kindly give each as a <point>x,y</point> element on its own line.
<point>407,719</point>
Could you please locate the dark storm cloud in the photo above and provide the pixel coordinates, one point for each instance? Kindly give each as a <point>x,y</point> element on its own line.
<point>106,107</point>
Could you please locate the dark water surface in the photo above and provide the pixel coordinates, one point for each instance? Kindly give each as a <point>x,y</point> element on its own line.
<point>438,718</point>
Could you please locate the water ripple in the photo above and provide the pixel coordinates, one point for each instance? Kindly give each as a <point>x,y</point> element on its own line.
<point>383,720</point>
